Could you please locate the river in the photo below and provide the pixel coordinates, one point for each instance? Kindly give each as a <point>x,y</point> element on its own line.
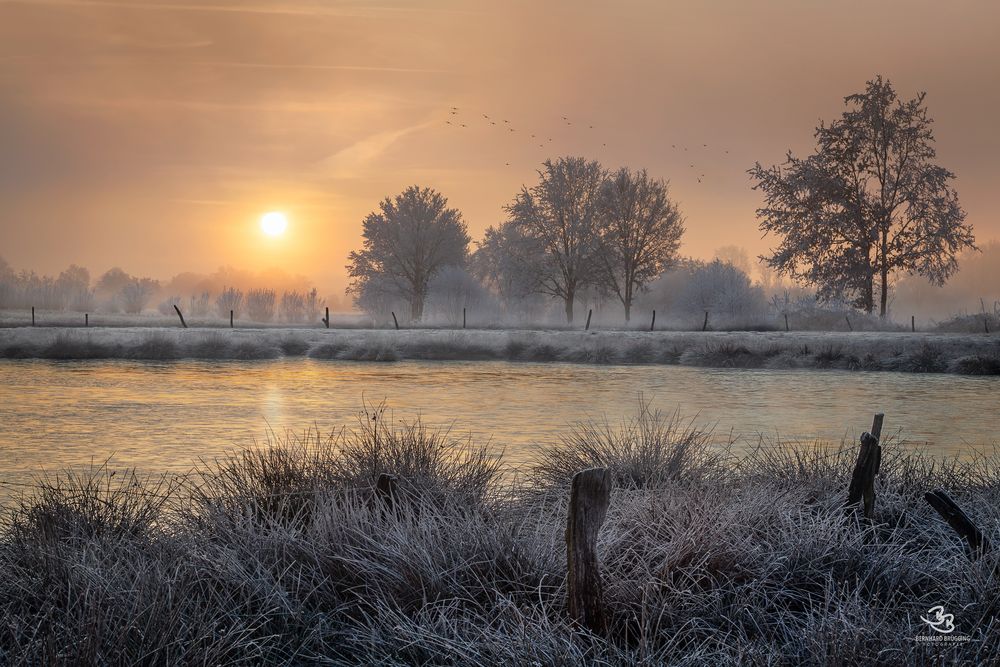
<point>165,416</point>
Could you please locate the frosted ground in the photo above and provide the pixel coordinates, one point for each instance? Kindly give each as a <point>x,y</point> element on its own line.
<point>973,354</point>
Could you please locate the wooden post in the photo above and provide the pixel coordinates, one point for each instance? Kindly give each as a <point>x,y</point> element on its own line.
<point>386,488</point>
<point>652,324</point>
<point>230,319</point>
<point>86,319</point>
<point>326,320</point>
<point>786,321</point>
<point>959,521</point>
<point>183,323</point>
<point>869,458</point>
<point>849,327</point>
<point>588,506</point>
<point>913,323</point>
<point>463,317</point>
<point>704,326</point>
<point>33,317</point>
<point>589,313</point>
<point>394,320</point>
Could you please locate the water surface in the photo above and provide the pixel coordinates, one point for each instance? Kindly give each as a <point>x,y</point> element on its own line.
<point>165,416</point>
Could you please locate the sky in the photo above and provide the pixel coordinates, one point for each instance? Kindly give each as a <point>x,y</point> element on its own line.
<point>152,135</point>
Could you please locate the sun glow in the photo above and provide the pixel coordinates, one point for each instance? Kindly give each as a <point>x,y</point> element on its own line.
<point>274,223</point>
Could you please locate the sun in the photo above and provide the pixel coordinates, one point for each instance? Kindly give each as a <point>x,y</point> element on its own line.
<point>274,223</point>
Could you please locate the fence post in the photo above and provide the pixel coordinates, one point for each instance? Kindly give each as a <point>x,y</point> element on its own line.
<point>786,321</point>
<point>86,319</point>
<point>230,319</point>
<point>183,323</point>
<point>394,320</point>
<point>326,320</point>
<point>589,497</point>
<point>33,317</point>
<point>863,479</point>
<point>463,317</point>
<point>704,326</point>
<point>589,313</point>
<point>652,323</point>
<point>913,323</point>
<point>959,521</point>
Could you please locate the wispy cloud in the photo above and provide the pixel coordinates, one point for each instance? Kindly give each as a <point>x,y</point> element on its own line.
<point>363,153</point>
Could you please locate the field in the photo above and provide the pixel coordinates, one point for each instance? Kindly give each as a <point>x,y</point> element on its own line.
<point>973,354</point>
<point>286,554</point>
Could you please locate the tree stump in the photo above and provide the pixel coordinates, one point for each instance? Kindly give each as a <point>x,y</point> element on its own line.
<point>588,506</point>
<point>959,521</point>
<point>869,458</point>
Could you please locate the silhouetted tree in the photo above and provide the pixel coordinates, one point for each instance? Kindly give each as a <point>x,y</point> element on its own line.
<point>557,220</point>
<point>640,231</point>
<point>869,203</point>
<point>407,243</point>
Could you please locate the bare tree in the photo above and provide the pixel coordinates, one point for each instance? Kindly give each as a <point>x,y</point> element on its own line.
<point>869,204</point>
<point>558,217</point>
<point>640,231</point>
<point>407,242</point>
<point>260,304</point>
<point>230,299</point>
<point>136,293</point>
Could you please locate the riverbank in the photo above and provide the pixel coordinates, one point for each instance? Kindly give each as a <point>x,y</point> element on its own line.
<point>287,553</point>
<point>969,354</point>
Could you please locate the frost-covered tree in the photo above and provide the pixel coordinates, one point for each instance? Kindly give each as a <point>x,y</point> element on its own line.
<point>869,204</point>
<point>260,304</point>
<point>505,261</point>
<point>406,243</point>
<point>73,286</point>
<point>722,289</point>
<point>640,231</point>
<point>558,218</point>
<point>136,293</point>
<point>230,299</point>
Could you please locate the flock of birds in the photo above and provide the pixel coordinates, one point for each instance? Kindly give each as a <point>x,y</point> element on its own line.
<point>457,119</point>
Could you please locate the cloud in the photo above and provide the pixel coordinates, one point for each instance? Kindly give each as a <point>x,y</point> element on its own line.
<point>349,161</point>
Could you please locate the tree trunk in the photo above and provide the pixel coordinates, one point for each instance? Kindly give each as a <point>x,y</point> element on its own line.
<point>885,292</point>
<point>628,311</point>
<point>570,297</point>
<point>417,307</point>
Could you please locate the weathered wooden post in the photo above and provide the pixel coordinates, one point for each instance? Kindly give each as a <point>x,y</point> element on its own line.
<point>849,327</point>
<point>589,497</point>
<point>913,323</point>
<point>959,521</point>
<point>589,313</point>
<point>326,319</point>
<point>86,319</point>
<point>183,323</point>
<point>394,320</point>
<point>463,317</point>
<point>230,319</point>
<point>33,317</point>
<point>869,458</point>
<point>704,326</point>
<point>652,324</point>
<point>786,321</point>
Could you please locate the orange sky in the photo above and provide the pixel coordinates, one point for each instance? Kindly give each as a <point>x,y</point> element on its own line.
<point>152,135</point>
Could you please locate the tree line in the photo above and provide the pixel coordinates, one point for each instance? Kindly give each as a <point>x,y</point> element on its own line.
<point>580,226</point>
<point>868,206</point>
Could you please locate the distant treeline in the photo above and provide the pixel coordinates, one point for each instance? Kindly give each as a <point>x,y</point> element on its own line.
<point>116,291</point>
